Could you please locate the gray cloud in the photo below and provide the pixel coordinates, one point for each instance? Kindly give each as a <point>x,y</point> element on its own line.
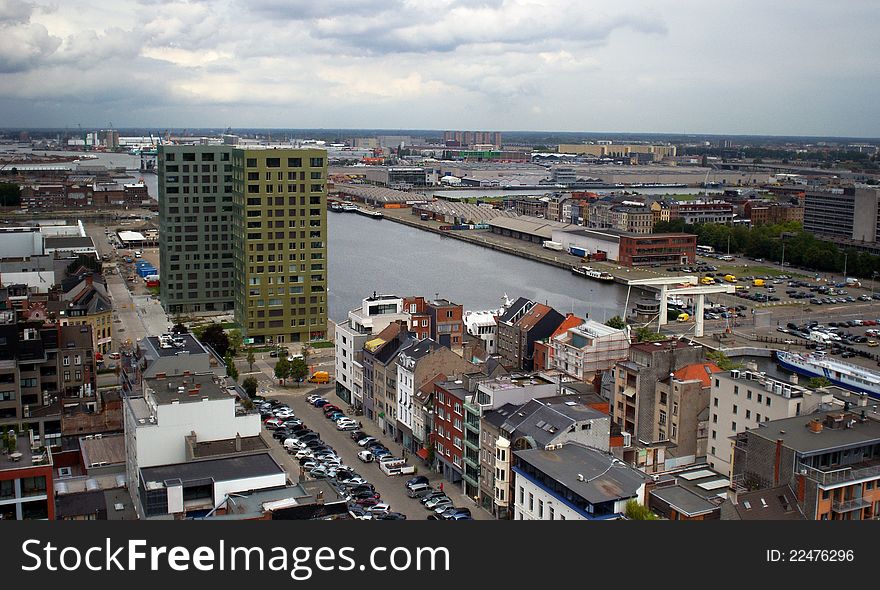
<point>23,44</point>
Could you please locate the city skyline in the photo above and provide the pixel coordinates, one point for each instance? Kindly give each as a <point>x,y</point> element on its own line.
<point>799,69</point>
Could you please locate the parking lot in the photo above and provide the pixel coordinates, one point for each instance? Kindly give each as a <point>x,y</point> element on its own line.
<point>390,488</point>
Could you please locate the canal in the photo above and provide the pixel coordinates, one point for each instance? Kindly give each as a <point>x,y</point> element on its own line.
<point>366,255</point>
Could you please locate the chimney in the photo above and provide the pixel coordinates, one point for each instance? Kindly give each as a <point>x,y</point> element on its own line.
<point>801,487</point>
<point>776,461</point>
<point>237,442</point>
<point>319,498</point>
<point>193,391</point>
<point>815,425</point>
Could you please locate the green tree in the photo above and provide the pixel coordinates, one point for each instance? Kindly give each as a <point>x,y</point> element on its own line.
<point>646,334</point>
<point>306,352</point>
<point>818,382</point>
<point>216,338</point>
<point>231,370</point>
<point>250,386</point>
<point>722,360</point>
<point>282,369</point>
<point>616,322</point>
<point>636,511</point>
<point>235,339</point>
<point>10,194</point>
<point>251,359</point>
<point>299,370</point>
<point>179,328</point>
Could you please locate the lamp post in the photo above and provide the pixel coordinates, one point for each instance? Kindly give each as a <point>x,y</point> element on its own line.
<point>845,255</point>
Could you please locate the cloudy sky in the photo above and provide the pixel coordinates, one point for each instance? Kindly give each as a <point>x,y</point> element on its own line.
<point>799,67</point>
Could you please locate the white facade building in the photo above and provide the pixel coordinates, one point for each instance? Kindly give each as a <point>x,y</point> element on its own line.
<point>482,325</point>
<point>743,399</point>
<point>587,348</point>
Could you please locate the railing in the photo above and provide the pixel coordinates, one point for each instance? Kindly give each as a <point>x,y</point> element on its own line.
<point>850,505</point>
<point>839,475</point>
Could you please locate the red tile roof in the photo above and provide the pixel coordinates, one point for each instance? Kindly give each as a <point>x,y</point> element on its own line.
<point>698,371</point>
<point>570,321</point>
<point>528,321</point>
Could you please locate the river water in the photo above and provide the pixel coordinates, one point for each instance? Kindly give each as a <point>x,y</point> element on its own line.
<point>366,255</point>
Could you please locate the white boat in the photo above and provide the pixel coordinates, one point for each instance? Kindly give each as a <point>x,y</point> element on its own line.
<point>590,273</point>
<point>840,373</point>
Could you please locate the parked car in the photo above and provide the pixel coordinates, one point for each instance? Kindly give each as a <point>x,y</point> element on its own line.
<point>390,516</point>
<point>418,479</point>
<point>358,435</point>
<point>418,490</point>
<point>436,501</point>
<point>366,440</point>
<point>380,508</point>
<point>441,506</point>
<point>365,456</point>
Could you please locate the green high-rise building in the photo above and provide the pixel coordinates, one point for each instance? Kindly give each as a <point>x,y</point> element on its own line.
<point>279,243</point>
<point>195,226</point>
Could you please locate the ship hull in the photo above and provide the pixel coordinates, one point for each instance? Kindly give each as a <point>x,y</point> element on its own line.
<point>835,377</point>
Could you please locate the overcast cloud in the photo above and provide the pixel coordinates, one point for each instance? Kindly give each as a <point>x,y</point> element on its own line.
<point>800,67</point>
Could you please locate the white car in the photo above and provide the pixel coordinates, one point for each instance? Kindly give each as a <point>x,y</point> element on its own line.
<point>313,398</point>
<point>302,453</point>
<point>380,508</point>
<point>347,425</point>
<point>366,440</point>
<point>365,456</point>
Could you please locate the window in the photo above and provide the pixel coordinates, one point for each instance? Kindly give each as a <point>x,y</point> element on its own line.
<point>294,163</point>
<point>251,163</point>
<point>531,502</point>
<point>662,418</point>
<point>735,409</point>
<point>540,508</point>
<point>733,426</point>
<point>550,513</point>
<point>316,162</point>
<point>748,414</point>
<point>273,162</point>
<point>715,402</point>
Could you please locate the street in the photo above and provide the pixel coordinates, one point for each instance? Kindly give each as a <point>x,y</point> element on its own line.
<point>391,489</point>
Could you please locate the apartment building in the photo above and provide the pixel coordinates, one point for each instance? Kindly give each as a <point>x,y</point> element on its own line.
<point>26,479</point>
<point>682,411</point>
<point>742,399</point>
<point>635,396</point>
<point>46,370</point>
<point>694,212</point>
<point>279,244</point>
<point>168,354</point>
<point>846,215</point>
<point>417,364</point>
<point>587,348</point>
<point>445,321</point>
<point>448,431</point>
<point>573,482</point>
<point>188,425</point>
<point>829,460</point>
<point>379,362</point>
<point>519,329</point>
<point>196,262</point>
<point>86,301</point>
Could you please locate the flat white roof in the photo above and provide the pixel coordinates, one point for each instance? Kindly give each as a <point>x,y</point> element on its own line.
<point>131,236</point>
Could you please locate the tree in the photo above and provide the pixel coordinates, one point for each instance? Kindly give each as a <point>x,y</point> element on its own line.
<point>235,340</point>
<point>646,334</point>
<point>282,369</point>
<point>722,360</point>
<point>616,322</point>
<point>251,359</point>
<point>636,511</point>
<point>216,338</point>
<point>299,370</point>
<point>250,386</point>
<point>231,370</point>
<point>818,382</point>
<point>306,352</point>
<point>10,194</point>
<point>179,328</point>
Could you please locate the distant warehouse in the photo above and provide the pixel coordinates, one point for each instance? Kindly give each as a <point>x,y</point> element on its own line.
<point>627,249</point>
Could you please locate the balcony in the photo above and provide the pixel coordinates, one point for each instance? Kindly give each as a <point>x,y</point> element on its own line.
<point>842,475</point>
<point>850,505</point>
<point>472,441</point>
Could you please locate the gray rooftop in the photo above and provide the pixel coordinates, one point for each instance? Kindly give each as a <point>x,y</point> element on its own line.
<point>225,469</point>
<point>69,242</point>
<point>181,343</point>
<point>796,434</point>
<point>195,388</point>
<point>683,500</point>
<point>605,479</point>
